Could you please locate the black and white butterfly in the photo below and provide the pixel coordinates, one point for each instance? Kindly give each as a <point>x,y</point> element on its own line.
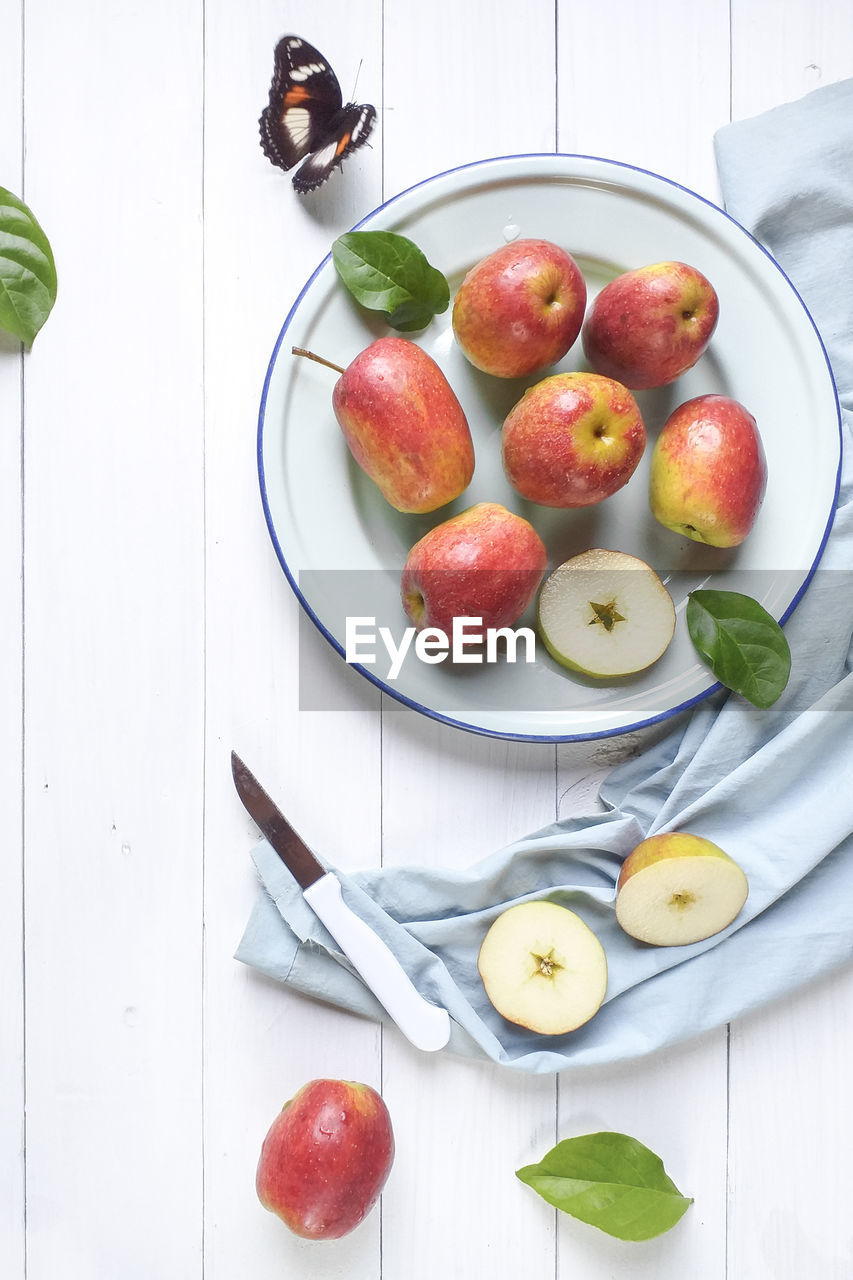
<point>306,115</point>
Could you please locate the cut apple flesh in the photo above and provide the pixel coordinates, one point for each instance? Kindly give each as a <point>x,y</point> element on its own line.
<point>675,901</point>
<point>606,614</point>
<point>543,968</point>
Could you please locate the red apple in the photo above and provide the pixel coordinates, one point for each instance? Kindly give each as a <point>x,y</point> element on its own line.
<point>484,563</point>
<point>520,309</point>
<point>572,440</point>
<point>326,1158</point>
<point>404,425</point>
<point>708,471</point>
<point>648,326</point>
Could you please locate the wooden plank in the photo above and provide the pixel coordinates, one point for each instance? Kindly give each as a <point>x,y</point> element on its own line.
<point>450,798</point>
<point>462,82</point>
<point>675,1103</point>
<point>114,645</point>
<point>677,57</point>
<point>12,1092</point>
<point>637,1098</point>
<point>668,64</point>
<point>791,1125</point>
<point>780,52</point>
<point>465,80</point>
<point>791,1120</point>
<point>262,1042</point>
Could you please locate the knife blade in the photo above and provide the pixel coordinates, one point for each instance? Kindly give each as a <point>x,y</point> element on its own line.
<point>426,1025</point>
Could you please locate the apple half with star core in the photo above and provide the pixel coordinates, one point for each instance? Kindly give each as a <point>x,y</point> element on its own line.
<point>404,425</point>
<point>572,440</point>
<point>650,325</point>
<point>520,309</point>
<point>487,562</point>
<point>708,471</point>
<point>326,1158</point>
<point>676,888</point>
<point>543,968</point>
<point>605,614</point>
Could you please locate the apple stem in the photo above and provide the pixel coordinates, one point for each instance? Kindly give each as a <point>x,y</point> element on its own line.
<point>309,355</point>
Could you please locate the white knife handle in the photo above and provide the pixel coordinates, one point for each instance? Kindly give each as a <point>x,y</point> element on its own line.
<point>425,1024</point>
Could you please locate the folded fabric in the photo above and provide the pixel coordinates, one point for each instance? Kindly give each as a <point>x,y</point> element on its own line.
<point>771,787</point>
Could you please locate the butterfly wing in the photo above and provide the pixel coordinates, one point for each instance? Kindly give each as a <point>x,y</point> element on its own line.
<point>348,130</point>
<point>305,100</point>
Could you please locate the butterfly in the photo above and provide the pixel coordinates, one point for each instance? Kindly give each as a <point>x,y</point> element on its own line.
<point>306,116</point>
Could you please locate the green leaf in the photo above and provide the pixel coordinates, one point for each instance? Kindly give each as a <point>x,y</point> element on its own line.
<point>610,1181</point>
<point>742,644</point>
<point>27,270</point>
<point>387,272</point>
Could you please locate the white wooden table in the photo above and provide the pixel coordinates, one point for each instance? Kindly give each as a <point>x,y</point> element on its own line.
<point>147,628</point>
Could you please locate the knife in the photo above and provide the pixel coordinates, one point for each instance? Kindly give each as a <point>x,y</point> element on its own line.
<point>426,1025</point>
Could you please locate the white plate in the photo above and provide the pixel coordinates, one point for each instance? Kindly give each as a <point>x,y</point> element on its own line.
<point>342,546</point>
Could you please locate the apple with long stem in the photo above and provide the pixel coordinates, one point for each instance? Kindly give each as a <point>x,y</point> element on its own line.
<point>403,424</point>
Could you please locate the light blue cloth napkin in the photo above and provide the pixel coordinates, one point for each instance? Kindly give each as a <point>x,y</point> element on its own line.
<point>774,788</point>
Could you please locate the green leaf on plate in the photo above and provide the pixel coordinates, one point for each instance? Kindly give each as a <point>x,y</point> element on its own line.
<point>389,273</point>
<point>610,1181</point>
<point>27,270</point>
<point>743,645</point>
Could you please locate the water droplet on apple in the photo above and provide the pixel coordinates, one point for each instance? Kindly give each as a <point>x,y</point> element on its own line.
<point>511,231</point>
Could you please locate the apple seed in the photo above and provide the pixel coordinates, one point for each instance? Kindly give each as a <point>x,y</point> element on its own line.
<point>546,965</point>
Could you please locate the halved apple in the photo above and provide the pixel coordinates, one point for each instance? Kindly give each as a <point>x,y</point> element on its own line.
<point>676,888</point>
<point>605,614</point>
<point>543,968</point>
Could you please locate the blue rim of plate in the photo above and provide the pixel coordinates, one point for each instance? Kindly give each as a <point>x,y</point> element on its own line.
<point>414,705</point>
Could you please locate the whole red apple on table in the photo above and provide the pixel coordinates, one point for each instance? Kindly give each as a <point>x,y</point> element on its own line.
<point>520,309</point>
<point>708,472</point>
<point>404,425</point>
<point>572,440</point>
<point>484,563</point>
<point>326,1158</point>
<point>650,325</point>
